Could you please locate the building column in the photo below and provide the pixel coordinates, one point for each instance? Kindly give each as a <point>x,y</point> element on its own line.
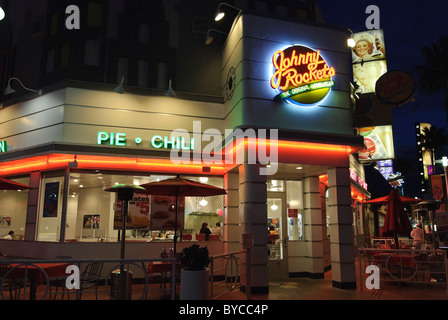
<point>231,223</point>
<point>341,229</point>
<point>32,206</point>
<point>313,226</point>
<point>253,218</point>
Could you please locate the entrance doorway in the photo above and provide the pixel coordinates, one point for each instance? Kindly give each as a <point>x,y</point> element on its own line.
<point>277,236</point>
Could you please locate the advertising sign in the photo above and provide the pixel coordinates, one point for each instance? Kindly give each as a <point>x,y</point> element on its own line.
<point>301,76</point>
<point>368,58</point>
<point>395,87</point>
<point>378,143</point>
<point>163,213</point>
<point>138,213</point>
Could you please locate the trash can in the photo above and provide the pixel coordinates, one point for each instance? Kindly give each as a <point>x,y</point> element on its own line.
<point>121,284</point>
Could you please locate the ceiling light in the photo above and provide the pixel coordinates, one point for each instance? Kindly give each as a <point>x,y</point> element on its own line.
<point>274,207</point>
<point>203,179</point>
<point>203,202</point>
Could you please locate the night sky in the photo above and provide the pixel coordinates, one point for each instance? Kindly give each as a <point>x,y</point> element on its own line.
<point>408,27</point>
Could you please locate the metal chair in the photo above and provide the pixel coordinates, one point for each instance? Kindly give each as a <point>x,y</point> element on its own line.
<point>59,282</point>
<point>90,277</point>
<point>11,282</point>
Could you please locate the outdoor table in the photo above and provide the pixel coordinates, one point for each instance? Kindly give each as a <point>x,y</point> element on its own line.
<point>34,272</point>
<point>162,268</point>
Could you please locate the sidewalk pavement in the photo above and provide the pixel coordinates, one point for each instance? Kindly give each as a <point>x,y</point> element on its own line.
<point>322,289</point>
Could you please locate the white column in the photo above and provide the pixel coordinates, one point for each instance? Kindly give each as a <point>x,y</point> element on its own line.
<point>313,226</point>
<point>253,217</point>
<point>341,229</point>
<point>231,225</point>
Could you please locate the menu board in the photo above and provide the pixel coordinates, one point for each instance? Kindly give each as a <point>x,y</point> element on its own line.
<point>138,213</point>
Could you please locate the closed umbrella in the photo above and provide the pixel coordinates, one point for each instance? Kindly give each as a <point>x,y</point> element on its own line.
<point>6,184</point>
<point>396,221</point>
<point>180,187</point>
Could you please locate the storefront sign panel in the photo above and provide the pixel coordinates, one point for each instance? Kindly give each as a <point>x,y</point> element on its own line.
<point>301,76</point>
<point>378,143</point>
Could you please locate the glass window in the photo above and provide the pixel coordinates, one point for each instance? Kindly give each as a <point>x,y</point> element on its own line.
<point>95,215</point>
<point>276,186</point>
<point>143,73</point>
<point>94,14</point>
<point>92,53</point>
<point>122,69</point>
<point>50,207</point>
<point>294,198</point>
<point>65,54</point>
<point>144,33</point>
<point>14,209</point>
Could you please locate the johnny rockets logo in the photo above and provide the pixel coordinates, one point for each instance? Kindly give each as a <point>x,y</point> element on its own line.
<point>301,76</point>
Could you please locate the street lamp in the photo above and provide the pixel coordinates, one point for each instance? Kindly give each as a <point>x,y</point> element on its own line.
<point>220,14</point>
<point>351,41</point>
<point>10,90</point>
<point>209,39</point>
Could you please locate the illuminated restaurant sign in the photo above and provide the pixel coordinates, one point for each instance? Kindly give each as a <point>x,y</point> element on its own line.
<point>301,76</point>
<point>3,147</point>
<point>157,141</point>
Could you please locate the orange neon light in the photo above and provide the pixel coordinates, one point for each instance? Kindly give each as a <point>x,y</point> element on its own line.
<point>57,161</point>
<point>60,161</point>
<point>293,145</point>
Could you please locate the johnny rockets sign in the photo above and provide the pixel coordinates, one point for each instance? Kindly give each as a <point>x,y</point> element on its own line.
<point>301,76</point>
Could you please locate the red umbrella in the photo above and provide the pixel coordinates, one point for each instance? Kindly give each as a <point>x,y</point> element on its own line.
<point>396,221</point>
<point>6,184</point>
<point>383,200</point>
<point>181,188</point>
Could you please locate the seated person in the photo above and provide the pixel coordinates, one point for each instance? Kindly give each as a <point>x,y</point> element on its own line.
<point>9,236</point>
<point>205,230</point>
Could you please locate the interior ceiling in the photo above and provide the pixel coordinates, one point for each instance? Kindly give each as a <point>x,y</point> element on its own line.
<point>98,179</point>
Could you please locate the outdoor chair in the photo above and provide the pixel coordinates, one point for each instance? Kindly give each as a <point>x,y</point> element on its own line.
<point>90,277</point>
<point>59,282</point>
<point>11,282</point>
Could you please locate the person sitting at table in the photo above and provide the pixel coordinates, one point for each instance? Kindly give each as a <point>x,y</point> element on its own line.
<point>205,230</point>
<point>417,234</point>
<point>217,230</point>
<point>9,236</point>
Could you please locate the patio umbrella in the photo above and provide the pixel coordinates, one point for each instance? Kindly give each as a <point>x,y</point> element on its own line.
<point>384,200</point>
<point>179,187</point>
<point>396,221</point>
<point>6,184</point>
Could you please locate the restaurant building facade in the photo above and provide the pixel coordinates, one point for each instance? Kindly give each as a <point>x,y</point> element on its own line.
<point>293,182</point>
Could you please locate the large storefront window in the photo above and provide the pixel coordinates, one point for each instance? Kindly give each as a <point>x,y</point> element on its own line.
<point>14,208</point>
<point>95,215</point>
<point>50,208</point>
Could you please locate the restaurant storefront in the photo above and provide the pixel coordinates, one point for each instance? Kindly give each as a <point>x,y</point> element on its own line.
<point>291,88</point>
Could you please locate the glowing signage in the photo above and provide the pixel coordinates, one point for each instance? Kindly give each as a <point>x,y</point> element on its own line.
<point>301,76</point>
<point>3,147</point>
<point>357,179</point>
<point>157,141</point>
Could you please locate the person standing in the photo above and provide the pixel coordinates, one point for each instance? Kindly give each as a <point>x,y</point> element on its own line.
<point>205,230</point>
<point>417,234</point>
